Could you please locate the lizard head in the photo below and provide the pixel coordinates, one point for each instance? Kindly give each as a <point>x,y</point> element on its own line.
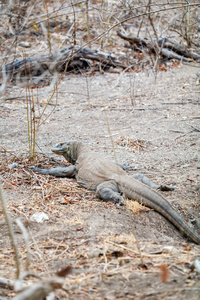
<point>67,149</point>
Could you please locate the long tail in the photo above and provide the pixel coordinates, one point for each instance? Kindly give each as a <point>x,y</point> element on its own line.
<point>140,192</point>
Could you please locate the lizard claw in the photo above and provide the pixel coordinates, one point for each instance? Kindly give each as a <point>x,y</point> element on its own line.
<point>119,204</point>
<point>119,201</point>
<point>166,188</point>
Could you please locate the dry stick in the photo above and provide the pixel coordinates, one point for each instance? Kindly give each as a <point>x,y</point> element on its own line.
<point>55,89</point>
<point>3,84</point>
<point>30,118</point>
<point>156,47</point>
<point>11,232</point>
<point>32,133</point>
<point>132,88</point>
<point>151,21</point>
<point>137,252</point>
<point>26,239</point>
<point>154,295</point>
<point>88,93</point>
<point>48,27</point>
<point>194,128</point>
<point>7,283</point>
<point>39,291</point>
<point>141,23</point>
<point>87,21</point>
<point>182,135</point>
<point>19,286</point>
<point>74,31</point>
<point>27,114</point>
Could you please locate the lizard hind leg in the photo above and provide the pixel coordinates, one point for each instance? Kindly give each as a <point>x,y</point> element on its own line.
<point>146,180</point>
<point>109,191</point>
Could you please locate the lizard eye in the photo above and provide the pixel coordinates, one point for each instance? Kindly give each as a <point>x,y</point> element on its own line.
<point>61,144</point>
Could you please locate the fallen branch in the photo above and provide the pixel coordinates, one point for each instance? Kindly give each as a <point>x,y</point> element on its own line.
<point>7,283</point>
<point>39,291</point>
<point>172,55</point>
<point>164,47</point>
<point>57,61</point>
<point>11,232</point>
<point>177,48</point>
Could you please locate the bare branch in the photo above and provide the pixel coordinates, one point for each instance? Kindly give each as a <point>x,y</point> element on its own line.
<point>40,290</point>
<point>11,232</point>
<point>26,239</point>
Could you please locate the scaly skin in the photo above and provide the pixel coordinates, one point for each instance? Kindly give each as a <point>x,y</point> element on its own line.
<point>93,171</point>
<point>144,195</point>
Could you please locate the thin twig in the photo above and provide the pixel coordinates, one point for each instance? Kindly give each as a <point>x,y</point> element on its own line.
<point>26,239</point>
<point>137,252</point>
<point>11,232</point>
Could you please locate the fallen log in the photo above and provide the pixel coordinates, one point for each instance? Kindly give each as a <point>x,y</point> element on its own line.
<point>72,57</point>
<point>164,47</point>
<point>177,48</point>
<point>172,55</point>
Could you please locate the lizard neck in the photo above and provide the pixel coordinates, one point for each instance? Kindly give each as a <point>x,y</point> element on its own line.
<point>76,148</point>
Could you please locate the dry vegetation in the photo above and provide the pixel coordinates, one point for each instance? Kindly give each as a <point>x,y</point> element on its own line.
<point>87,249</point>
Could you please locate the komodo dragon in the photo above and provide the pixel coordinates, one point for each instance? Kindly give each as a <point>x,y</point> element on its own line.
<point>111,182</point>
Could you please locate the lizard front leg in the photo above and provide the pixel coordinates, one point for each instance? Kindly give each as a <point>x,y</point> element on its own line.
<point>69,171</point>
<point>109,191</point>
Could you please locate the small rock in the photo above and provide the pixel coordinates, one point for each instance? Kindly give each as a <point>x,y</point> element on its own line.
<point>24,44</point>
<point>52,24</point>
<point>95,253</point>
<point>39,217</point>
<point>170,249</point>
<point>197,265</point>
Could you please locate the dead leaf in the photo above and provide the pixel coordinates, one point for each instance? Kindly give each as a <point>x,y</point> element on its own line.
<point>164,272</point>
<point>65,271</point>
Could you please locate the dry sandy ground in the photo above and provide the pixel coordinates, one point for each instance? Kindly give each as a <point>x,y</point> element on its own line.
<point>115,253</point>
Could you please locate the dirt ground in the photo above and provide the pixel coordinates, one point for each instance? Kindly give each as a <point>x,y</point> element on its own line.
<point>115,253</point>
